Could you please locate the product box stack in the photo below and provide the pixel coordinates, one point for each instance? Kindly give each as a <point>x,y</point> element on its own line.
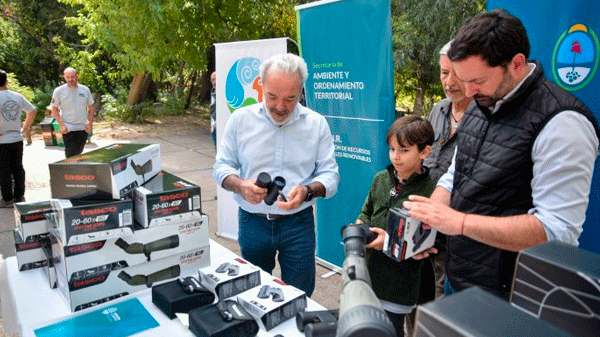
<point>119,224</point>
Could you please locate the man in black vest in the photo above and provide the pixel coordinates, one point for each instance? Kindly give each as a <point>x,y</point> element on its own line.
<point>525,157</point>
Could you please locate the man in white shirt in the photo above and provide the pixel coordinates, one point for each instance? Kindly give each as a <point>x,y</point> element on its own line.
<point>282,138</point>
<point>72,107</point>
<point>12,105</point>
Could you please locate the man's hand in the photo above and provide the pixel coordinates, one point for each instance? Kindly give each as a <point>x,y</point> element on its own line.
<point>376,244</point>
<point>252,193</point>
<point>63,129</point>
<point>88,128</point>
<point>294,199</point>
<point>436,214</point>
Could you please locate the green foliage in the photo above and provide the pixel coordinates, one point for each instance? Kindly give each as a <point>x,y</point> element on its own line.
<point>149,36</point>
<point>172,103</point>
<point>113,108</point>
<point>420,28</point>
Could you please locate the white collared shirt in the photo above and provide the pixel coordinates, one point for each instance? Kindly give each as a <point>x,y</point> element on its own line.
<point>301,151</point>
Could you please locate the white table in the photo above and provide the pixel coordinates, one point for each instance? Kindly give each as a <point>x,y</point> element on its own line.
<point>28,303</point>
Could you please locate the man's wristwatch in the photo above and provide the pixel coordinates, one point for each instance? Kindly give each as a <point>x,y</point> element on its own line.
<point>310,193</point>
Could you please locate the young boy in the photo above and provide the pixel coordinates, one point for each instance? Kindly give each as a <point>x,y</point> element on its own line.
<point>396,284</point>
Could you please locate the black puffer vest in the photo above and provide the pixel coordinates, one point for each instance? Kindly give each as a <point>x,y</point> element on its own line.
<point>494,172</point>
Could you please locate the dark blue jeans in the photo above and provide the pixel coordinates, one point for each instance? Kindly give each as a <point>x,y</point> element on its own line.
<point>293,238</point>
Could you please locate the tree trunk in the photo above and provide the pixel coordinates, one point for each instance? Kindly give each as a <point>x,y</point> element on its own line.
<point>139,88</point>
<point>204,87</point>
<point>419,100</point>
<point>188,100</point>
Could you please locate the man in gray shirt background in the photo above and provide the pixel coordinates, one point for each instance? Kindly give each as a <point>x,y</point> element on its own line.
<point>12,105</point>
<point>75,103</point>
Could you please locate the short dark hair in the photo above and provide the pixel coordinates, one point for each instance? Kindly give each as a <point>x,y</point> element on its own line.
<point>3,78</point>
<point>495,35</point>
<point>410,130</point>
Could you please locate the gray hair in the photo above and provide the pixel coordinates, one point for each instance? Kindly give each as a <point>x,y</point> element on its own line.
<point>446,48</point>
<point>69,69</point>
<point>288,63</point>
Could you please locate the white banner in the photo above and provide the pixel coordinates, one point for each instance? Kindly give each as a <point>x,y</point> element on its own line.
<point>238,85</point>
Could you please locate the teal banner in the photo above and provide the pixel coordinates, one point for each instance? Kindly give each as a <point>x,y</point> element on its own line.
<point>348,48</point>
<point>564,38</point>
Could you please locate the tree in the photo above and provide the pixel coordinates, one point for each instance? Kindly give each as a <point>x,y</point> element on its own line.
<point>420,28</point>
<point>154,37</point>
<point>35,25</point>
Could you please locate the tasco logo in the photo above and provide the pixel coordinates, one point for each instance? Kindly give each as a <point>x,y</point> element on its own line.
<point>96,211</point>
<point>181,195</point>
<point>243,86</point>
<point>35,217</point>
<point>79,177</point>
<point>575,58</point>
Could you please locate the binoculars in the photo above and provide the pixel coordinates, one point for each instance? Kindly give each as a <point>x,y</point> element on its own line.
<point>266,291</point>
<point>273,187</point>
<point>317,323</point>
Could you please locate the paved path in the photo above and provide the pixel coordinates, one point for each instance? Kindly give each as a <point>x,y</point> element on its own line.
<point>190,156</point>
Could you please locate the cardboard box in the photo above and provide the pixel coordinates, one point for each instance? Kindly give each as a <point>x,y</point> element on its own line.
<point>30,218</point>
<point>29,254</point>
<point>164,199</point>
<point>81,221</point>
<point>48,131</point>
<point>106,173</point>
<point>229,278</point>
<point>101,284</point>
<point>143,246</point>
<point>474,312</point>
<point>273,302</point>
<point>405,235</point>
<point>559,283</point>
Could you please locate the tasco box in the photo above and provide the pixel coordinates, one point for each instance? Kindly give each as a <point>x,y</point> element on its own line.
<point>405,235</point>
<point>273,302</point>
<point>29,254</point>
<point>80,221</point>
<point>30,218</point>
<point>560,284</point>
<point>110,172</point>
<point>229,277</point>
<point>144,246</point>
<point>474,313</point>
<point>164,199</point>
<point>99,284</point>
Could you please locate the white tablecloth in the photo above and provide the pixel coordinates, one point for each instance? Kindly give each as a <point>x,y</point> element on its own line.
<point>28,303</point>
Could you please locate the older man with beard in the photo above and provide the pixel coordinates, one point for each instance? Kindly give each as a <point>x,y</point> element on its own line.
<point>282,138</point>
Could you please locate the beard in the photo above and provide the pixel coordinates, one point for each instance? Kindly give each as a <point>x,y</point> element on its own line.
<point>279,117</point>
<point>506,86</point>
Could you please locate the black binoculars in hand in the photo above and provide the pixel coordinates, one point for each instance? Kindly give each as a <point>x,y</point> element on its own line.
<point>273,187</point>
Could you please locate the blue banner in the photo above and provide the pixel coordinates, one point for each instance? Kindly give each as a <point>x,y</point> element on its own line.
<point>563,38</point>
<point>348,48</point>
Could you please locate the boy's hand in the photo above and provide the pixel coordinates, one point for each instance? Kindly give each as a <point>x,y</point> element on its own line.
<point>425,254</point>
<point>376,244</point>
